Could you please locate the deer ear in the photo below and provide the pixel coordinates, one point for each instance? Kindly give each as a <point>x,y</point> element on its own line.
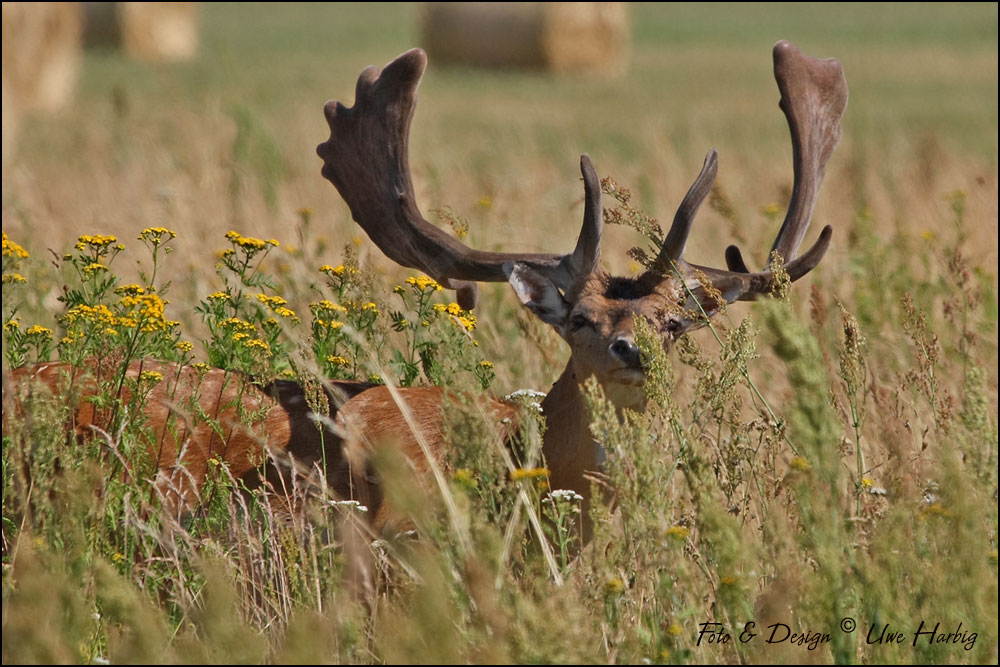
<point>539,294</point>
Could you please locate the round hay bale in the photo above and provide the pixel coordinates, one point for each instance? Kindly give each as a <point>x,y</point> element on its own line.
<point>11,124</point>
<point>587,37</point>
<point>41,53</point>
<point>150,31</point>
<point>41,62</point>
<point>159,31</point>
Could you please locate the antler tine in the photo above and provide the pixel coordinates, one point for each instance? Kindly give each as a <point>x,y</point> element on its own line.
<point>588,245</point>
<point>797,267</point>
<point>673,246</point>
<point>734,260</point>
<point>367,160</point>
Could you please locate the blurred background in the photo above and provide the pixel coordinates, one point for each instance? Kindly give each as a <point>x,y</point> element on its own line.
<point>212,125</point>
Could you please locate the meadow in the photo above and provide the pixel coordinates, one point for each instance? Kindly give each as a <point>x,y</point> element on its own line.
<point>802,462</point>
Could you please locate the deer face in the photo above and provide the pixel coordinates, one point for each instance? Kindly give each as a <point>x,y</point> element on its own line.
<point>597,318</point>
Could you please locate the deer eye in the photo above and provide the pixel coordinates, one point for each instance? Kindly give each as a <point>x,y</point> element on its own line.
<point>578,322</point>
<point>673,325</point>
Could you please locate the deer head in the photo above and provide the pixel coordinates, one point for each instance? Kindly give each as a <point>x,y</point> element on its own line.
<point>366,158</point>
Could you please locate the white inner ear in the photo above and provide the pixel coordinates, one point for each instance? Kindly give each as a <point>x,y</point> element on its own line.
<point>539,294</point>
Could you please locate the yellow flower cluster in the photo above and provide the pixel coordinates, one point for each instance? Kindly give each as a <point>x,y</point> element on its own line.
<point>146,311</point>
<point>679,533</point>
<point>218,296</point>
<point>528,473</point>
<point>459,317</point>
<point>467,322</point>
<point>278,306</point>
<point>272,301</point>
<point>13,278</point>
<point>423,283</point>
<point>800,463</point>
<point>328,305</point>
<point>93,268</point>
<point>130,290</point>
<point>324,311</point>
<point>157,235</point>
<point>614,586</point>
<point>540,476</point>
<point>330,324</point>
<point>337,360</point>
<point>339,270</point>
<point>258,344</point>
<point>367,307</point>
<point>464,475</point>
<point>451,308</point>
<point>236,325</point>
<point>95,241</point>
<point>241,332</point>
<point>99,314</point>
<point>152,377</point>
<point>248,242</point>
<point>11,249</point>
<point>40,331</point>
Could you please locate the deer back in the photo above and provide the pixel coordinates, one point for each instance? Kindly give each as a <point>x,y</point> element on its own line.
<point>189,418</point>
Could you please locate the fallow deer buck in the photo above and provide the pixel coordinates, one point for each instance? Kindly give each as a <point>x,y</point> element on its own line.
<point>366,158</point>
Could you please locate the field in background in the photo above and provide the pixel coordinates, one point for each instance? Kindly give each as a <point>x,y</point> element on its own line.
<point>228,142</point>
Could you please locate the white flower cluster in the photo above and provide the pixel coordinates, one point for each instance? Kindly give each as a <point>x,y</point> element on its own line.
<point>532,398</point>
<point>564,497</point>
<point>349,504</point>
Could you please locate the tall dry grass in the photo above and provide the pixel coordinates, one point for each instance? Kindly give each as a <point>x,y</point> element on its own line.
<point>803,462</point>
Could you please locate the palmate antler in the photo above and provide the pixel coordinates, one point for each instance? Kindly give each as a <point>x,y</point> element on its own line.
<point>366,158</point>
<point>813,98</point>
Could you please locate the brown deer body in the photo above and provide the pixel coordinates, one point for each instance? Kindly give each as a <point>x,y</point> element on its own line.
<point>191,417</point>
<point>366,158</point>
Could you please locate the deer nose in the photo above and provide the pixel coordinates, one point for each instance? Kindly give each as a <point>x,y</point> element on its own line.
<point>625,350</point>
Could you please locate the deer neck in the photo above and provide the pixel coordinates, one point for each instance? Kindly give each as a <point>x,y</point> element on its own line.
<point>569,447</point>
